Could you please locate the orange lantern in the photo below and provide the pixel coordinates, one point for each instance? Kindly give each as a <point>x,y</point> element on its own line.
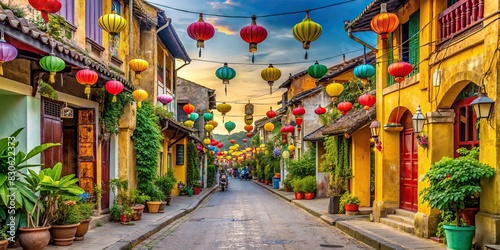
<point>140,95</point>
<point>188,108</point>
<point>248,128</point>
<point>214,123</point>
<point>269,127</point>
<point>384,23</point>
<point>138,65</point>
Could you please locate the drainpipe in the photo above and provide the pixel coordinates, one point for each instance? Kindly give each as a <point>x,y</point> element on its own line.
<point>182,66</point>
<point>349,33</point>
<point>130,37</point>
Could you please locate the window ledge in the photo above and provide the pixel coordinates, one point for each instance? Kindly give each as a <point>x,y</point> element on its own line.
<point>409,81</point>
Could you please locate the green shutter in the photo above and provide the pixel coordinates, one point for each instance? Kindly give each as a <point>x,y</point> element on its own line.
<point>414,43</point>
<point>390,58</point>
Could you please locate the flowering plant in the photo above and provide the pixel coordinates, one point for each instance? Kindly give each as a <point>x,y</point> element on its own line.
<point>423,140</point>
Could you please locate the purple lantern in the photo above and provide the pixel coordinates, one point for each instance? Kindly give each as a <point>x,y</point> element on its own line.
<point>7,53</point>
<point>164,99</point>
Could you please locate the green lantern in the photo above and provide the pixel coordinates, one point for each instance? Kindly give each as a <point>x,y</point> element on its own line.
<point>52,64</point>
<point>317,70</point>
<point>229,126</point>
<point>208,116</point>
<point>225,73</point>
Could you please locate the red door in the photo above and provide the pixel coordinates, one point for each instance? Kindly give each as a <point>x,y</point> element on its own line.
<point>408,190</point>
<point>105,175</point>
<point>52,131</point>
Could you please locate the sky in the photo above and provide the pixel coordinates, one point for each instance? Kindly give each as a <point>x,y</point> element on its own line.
<point>280,47</point>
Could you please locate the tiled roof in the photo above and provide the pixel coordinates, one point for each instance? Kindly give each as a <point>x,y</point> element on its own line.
<point>316,135</point>
<point>26,32</point>
<point>350,122</point>
<point>362,22</point>
<point>304,94</point>
<point>169,37</point>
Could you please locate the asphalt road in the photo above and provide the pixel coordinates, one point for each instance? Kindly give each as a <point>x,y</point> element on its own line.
<point>248,217</point>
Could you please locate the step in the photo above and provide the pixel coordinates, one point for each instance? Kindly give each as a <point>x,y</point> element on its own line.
<point>406,213</point>
<point>98,221</point>
<point>365,210</point>
<point>401,226</point>
<point>400,218</point>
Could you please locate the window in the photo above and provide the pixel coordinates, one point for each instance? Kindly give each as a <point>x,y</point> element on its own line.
<point>410,37</point>
<point>452,2</point>
<point>68,11</point>
<point>466,132</point>
<point>93,10</point>
<point>284,99</point>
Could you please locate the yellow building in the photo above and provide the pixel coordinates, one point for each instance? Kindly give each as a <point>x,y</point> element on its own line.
<point>451,58</point>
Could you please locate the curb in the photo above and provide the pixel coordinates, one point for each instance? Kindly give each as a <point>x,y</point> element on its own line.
<point>270,190</point>
<point>135,239</point>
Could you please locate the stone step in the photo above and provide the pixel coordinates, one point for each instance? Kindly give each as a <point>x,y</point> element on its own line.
<point>99,220</point>
<point>405,213</point>
<point>365,210</point>
<point>400,218</point>
<point>397,225</point>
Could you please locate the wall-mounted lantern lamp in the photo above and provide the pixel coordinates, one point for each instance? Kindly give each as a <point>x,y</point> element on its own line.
<point>483,105</point>
<point>375,133</point>
<point>418,121</point>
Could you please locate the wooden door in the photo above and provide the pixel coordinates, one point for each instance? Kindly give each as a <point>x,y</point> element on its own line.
<point>52,131</point>
<point>408,190</point>
<point>105,174</point>
<point>86,149</point>
<point>466,132</point>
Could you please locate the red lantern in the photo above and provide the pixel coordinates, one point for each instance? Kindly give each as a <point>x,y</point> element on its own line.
<point>245,140</point>
<point>367,101</point>
<point>46,7</point>
<point>344,107</point>
<point>220,145</point>
<point>200,31</point>
<point>232,141</point>
<point>114,87</point>
<point>320,110</point>
<point>253,34</point>
<point>271,114</point>
<point>87,78</point>
<point>214,142</point>
<point>188,108</point>
<point>249,134</point>
<point>399,70</point>
<point>298,111</point>
<point>289,128</point>
<point>298,121</point>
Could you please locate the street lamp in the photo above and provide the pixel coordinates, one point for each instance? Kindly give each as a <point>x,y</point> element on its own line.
<point>375,129</point>
<point>483,106</point>
<point>418,121</point>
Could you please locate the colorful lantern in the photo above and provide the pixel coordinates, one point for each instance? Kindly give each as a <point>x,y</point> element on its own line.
<point>334,90</point>
<point>271,114</point>
<point>306,32</point>
<point>291,147</point>
<point>248,119</point>
<point>253,34</point>
<point>225,73</point>
<point>52,64</point>
<point>220,145</point>
<point>7,53</point>
<point>206,141</point>
<point>269,127</point>
<point>232,141</point>
<point>165,99</point>
<point>140,95</point>
<point>138,65</point>
<point>367,101</point>
<point>249,134</point>
<point>399,70</point>
<point>270,74</point>
<point>298,111</point>
<point>249,108</point>
<point>248,128</point>
<point>188,108</point>
<point>364,71</point>
<point>214,142</point>
<point>285,154</point>
<point>319,110</point>
<point>223,108</point>
<point>317,70</point>
<point>229,126</point>
<point>214,123</point>
<point>193,116</point>
<point>200,31</point>
<point>112,23</point>
<point>209,127</point>
<point>189,123</point>
<point>114,87</point>
<point>208,116</point>
<point>344,107</point>
<point>244,140</point>
<point>46,7</point>
<point>384,23</point>
<point>87,78</point>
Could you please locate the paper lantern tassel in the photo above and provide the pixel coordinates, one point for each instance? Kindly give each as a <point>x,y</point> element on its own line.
<point>114,98</point>
<point>1,69</point>
<point>139,104</point>
<point>87,91</point>
<point>52,77</point>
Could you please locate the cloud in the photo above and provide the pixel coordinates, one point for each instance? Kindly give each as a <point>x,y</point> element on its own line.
<point>220,27</point>
<point>219,5</point>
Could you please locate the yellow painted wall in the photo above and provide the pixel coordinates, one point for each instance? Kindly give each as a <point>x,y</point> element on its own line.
<point>360,182</point>
<point>180,171</point>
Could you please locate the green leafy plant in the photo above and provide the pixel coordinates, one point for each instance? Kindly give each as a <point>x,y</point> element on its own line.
<point>115,211</point>
<point>305,166</point>
<point>452,181</point>
<point>147,144</point>
<point>113,111</point>
<point>138,198</point>
<point>211,175</point>
<point>46,90</point>
<point>3,232</point>
<point>16,10</point>
<point>348,198</point>
<point>58,27</point>
<point>297,185</point>
<point>85,209</point>
<point>127,211</point>
<point>119,187</point>
<point>166,183</point>
<point>67,213</point>
<point>193,174</point>
<point>336,162</point>
<point>309,184</point>
<point>162,113</point>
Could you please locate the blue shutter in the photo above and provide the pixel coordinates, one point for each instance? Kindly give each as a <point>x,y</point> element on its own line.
<point>68,11</point>
<point>93,10</point>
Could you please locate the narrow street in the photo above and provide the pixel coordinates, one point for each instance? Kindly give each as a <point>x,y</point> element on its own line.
<point>248,217</point>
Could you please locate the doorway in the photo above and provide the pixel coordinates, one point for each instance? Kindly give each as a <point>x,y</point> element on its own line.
<point>408,190</point>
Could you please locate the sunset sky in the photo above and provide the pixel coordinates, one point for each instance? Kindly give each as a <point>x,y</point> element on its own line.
<point>280,47</point>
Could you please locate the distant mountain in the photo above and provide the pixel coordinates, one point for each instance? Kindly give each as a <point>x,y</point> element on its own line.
<point>239,136</point>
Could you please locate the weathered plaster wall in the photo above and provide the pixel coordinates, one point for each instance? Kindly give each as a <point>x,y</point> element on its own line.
<point>361,165</point>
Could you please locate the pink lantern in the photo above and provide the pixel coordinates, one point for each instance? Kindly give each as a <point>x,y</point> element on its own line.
<point>165,98</point>
<point>244,140</point>
<point>7,53</point>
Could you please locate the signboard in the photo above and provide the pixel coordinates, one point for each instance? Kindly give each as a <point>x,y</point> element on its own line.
<point>179,154</point>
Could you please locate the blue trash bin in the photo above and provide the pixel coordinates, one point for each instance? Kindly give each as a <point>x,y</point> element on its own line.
<point>276,183</point>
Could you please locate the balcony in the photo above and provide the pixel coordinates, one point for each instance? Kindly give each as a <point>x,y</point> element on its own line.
<point>460,16</point>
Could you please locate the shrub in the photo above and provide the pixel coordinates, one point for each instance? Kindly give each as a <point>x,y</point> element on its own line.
<point>348,198</point>
<point>309,184</point>
<point>297,185</point>
<point>211,175</point>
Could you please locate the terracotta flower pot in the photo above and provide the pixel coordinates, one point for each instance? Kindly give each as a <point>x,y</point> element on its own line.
<point>34,238</point>
<point>309,196</point>
<point>63,235</point>
<point>4,244</point>
<point>351,207</point>
<point>138,209</point>
<point>153,206</point>
<point>266,182</point>
<point>161,209</point>
<point>196,190</point>
<point>469,215</point>
<point>168,199</point>
<point>82,229</point>
<point>299,195</point>
<point>124,219</point>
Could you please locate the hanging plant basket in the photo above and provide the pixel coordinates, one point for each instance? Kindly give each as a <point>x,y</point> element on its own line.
<point>393,127</point>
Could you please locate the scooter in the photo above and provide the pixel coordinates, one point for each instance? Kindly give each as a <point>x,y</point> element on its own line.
<point>223,183</point>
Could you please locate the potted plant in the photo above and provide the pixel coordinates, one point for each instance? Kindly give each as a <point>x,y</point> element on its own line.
<point>139,200</point>
<point>4,237</point>
<point>155,202</point>
<point>126,213</point>
<point>196,187</point>
<point>451,183</point>
<point>298,188</point>
<point>63,229</point>
<point>85,208</point>
<point>349,203</point>
<point>287,184</point>
<point>309,186</point>
<point>166,183</point>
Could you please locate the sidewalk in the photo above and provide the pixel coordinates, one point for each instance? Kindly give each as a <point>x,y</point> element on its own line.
<point>376,235</point>
<point>115,236</point>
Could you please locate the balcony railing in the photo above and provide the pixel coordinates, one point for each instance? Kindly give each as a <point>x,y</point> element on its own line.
<point>460,16</point>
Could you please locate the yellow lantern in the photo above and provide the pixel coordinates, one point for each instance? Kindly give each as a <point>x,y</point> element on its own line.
<point>223,108</point>
<point>263,145</point>
<point>285,154</point>
<point>206,141</point>
<point>189,123</point>
<point>209,127</point>
<point>270,74</point>
<point>334,90</point>
<point>138,65</point>
<point>291,147</point>
<point>112,23</point>
<point>268,127</point>
<point>140,95</point>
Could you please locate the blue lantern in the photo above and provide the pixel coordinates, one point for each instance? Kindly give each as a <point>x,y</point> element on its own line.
<point>193,116</point>
<point>363,72</point>
<point>225,73</point>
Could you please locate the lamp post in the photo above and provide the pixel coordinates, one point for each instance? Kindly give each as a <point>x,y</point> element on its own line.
<point>375,133</point>
<point>418,121</point>
<point>483,106</point>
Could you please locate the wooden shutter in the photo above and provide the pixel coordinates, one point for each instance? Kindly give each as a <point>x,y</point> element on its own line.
<point>414,43</point>
<point>86,148</point>
<point>93,10</point>
<point>390,58</point>
<point>68,11</point>
<point>52,131</point>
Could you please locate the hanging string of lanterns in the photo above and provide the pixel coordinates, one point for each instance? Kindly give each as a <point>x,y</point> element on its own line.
<point>114,87</point>
<point>87,78</point>
<point>399,70</point>
<point>138,65</point>
<point>320,110</point>
<point>317,70</point>
<point>230,126</point>
<point>225,73</point>
<point>344,107</point>
<point>270,74</point>
<point>271,113</point>
<point>253,34</point>
<point>306,32</point>
<point>112,23</point>
<point>367,101</point>
<point>188,108</point>
<point>298,112</point>
<point>201,32</point>
<point>208,116</point>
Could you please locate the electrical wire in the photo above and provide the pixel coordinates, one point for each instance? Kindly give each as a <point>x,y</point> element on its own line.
<point>259,16</point>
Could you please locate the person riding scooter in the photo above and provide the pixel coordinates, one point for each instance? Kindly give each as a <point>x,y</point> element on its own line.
<point>223,180</point>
